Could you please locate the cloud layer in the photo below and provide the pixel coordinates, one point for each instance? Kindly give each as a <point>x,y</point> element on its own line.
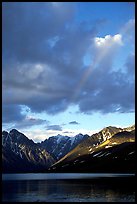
<point>43,63</point>
<point>73,123</point>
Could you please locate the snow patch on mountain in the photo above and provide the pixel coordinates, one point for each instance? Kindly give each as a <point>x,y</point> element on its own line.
<point>60,145</point>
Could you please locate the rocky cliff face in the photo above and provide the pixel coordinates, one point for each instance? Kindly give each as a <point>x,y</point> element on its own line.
<point>59,145</point>
<point>92,141</point>
<point>22,154</point>
<point>110,150</point>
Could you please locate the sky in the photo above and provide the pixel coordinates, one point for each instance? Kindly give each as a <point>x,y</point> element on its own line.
<point>67,67</point>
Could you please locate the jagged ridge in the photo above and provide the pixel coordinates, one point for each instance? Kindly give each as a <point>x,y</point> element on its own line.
<point>21,154</point>
<point>112,154</point>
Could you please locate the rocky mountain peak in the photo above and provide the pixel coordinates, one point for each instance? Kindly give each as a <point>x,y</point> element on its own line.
<point>4,133</point>
<point>14,131</point>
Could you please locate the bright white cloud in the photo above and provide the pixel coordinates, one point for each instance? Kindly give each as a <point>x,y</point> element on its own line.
<point>108,40</point>
<point>118,39</point>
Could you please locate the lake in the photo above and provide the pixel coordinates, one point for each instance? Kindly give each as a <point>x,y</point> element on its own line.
<point>68,187</point>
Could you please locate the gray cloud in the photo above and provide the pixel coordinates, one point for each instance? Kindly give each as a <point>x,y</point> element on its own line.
<point>29,122</point>
<point>54,127</point>
<point>43,64</point>
<point>74,123</point>
<point>114,91</point>
<point>68,132</point>
<point>11,113</point>
<point>32,24</point>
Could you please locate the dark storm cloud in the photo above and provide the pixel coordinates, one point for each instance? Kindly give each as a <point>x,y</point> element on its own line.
<point>48,83</point>
<point>43,52</point>
<point>73,123</point>
<point>54,127</point>
<point>11,113</point>
<point>27,27</point>
<point>130,67</point>
<point>29,122</point>
<point>114,91</point>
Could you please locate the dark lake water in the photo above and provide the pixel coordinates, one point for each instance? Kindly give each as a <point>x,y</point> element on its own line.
<point>68,187</point>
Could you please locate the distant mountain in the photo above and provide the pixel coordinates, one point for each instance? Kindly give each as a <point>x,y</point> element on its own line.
<point>110,150</point>
<point>59,145</point>
<point>20,154</point>
<point>130,128</point>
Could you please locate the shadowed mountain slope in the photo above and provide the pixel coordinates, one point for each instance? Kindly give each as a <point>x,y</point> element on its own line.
<point>20,154</point>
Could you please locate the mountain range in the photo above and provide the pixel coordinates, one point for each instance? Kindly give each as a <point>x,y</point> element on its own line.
<point>114,154</point>
<point>110,150</point>
<point>58,146</point>
<point>20,154</point>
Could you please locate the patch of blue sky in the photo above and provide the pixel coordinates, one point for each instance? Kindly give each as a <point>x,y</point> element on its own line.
<point>87,60</point>
<point>94,121</point>
<point>110,14</point>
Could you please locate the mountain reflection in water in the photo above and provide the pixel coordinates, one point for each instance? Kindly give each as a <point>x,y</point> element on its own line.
<point>90,188</point>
